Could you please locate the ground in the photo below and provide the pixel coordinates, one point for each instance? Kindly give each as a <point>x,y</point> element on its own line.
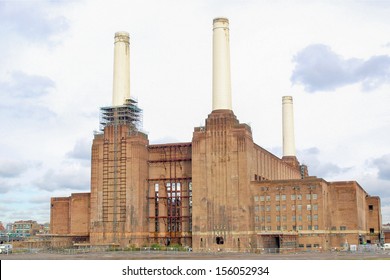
<point>123,255</point>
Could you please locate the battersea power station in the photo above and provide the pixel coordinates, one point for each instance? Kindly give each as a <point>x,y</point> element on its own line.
<point>219,192</point>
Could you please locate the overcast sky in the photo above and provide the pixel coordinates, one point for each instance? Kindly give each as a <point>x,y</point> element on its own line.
<point>56,61</point>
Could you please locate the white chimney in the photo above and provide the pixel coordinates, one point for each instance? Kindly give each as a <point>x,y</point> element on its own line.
<point>222,97</point>
<point>121,85</point>
<point>288,126</point>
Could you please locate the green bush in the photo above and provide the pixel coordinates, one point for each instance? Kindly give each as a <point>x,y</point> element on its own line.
<point>156,246</point>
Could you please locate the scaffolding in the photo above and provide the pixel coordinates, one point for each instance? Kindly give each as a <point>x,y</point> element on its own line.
<point>129,114</point>
<point>170,195</point>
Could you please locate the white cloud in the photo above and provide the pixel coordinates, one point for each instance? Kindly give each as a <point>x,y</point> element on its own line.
<point>318,68</point>
<point>7,186</point>
<point>81,150</point>
<point>32,20</point>
<point>70,175</point>
<point>316,167</point>
<point>383,165</point>
<point>12,168</point>
<point>22,85</point>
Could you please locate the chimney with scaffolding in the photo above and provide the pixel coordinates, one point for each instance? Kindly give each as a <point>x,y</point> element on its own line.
<point>124,109</point>
<point>119,162</point>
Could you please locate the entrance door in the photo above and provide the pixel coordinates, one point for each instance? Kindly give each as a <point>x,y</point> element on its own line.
<point>277,242</point>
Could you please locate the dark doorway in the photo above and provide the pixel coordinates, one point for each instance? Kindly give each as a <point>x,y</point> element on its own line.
<point>277,241</point>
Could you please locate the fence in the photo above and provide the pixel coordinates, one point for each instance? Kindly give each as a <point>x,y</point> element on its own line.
<point>354,249</point>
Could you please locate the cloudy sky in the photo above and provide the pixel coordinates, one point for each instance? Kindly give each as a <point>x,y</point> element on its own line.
<point>56,60</point>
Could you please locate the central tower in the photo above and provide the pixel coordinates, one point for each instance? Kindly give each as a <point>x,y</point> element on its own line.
<point>221,163</point>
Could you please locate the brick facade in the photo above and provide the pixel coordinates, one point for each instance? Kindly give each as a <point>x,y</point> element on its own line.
<point>219,192</point>
<point>70,215</point>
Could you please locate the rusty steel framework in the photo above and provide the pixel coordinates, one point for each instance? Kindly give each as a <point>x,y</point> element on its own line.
<point>170,195</point>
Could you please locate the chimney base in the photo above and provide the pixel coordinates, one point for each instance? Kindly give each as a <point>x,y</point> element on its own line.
<point>291,160</point>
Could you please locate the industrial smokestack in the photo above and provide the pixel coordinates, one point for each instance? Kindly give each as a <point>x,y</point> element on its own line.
<point>288,127</point>
<point>121,85</point>
<point>222,97</point>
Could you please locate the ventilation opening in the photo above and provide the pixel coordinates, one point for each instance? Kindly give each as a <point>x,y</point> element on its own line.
<point>219,240</point>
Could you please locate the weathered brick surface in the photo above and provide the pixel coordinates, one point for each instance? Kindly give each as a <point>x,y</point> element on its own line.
<point>59,215</point>
<point>79,213</point>
<point>119,187</point>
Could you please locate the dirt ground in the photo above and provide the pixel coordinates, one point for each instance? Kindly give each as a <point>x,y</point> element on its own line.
<point>380,255</point>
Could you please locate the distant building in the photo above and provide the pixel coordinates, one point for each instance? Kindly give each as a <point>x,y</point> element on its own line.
<point>221,191</point>
<point>386,233</point>
<point>2,228</point>
<point>25,228</point>
<point>9,227</point>
<point>44,228</point>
